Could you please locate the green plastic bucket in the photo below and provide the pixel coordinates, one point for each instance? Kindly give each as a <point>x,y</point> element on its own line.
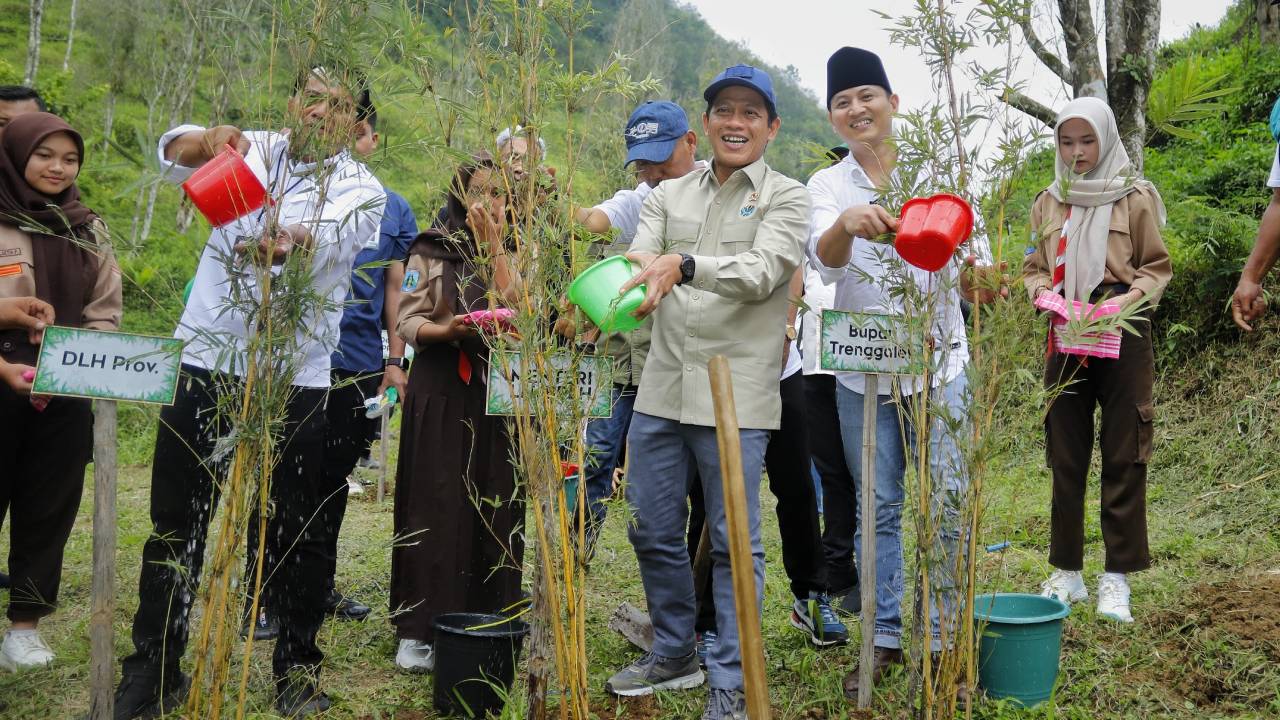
<point>1019,648</point>
<point>596,292</point>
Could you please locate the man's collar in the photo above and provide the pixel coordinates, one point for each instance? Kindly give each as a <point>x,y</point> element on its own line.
<point>755,172</point>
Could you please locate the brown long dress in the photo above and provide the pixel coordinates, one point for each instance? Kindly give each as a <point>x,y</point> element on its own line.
<point>458,512</point>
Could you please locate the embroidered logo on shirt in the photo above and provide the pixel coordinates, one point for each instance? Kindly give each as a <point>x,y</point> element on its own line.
<point>747,210</point>
<point>11,252</point>
<point>411,279</point>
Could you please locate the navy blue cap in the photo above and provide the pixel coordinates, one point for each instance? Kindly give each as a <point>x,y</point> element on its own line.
<point>746,76</point>
<point>653,130</point>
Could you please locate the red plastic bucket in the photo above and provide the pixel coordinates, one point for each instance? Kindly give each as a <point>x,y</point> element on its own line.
<point>224,188</point>
<point>930,230</point>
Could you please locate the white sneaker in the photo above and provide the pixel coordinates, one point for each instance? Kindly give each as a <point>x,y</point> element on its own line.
<point>1113,597</point>
<point>354,487</point>
<point>1066,585</point>
<point>416,657</point>
<point>24,650</point>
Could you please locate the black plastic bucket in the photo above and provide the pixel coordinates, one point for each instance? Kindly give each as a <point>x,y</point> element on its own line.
<point>476,656</point>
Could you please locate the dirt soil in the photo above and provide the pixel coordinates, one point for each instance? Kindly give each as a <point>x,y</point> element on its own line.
<point>1242,613</point>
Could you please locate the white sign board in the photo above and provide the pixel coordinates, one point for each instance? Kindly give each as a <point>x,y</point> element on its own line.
<point>864,343</point>
<point>108,365</point>
<point>592,376</point>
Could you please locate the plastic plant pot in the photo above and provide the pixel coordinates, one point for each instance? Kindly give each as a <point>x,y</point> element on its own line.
<point>596,292</point>
<point>1020,645</point>
<point>930,230</point>
<point>224,188</point>
<point>476,658</point>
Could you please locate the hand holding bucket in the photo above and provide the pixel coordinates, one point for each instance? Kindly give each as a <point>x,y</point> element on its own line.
<point>225,188</point>
<point>596,291</point>
<point>930,230</point>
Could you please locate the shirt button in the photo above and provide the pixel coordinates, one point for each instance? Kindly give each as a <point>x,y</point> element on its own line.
<point>688,368</point>
<point>697,297</point>
<point>690,333</point>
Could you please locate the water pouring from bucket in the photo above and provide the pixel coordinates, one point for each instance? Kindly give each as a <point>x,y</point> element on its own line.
<point>225,188</point>
<point>930,230</point>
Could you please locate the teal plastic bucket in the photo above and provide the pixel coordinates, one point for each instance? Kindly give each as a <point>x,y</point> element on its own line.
<point>1020,644</point>
<point>596,292</point>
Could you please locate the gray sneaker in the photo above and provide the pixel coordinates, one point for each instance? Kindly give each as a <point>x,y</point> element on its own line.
<point>654,672</point>
<point>725,705</point>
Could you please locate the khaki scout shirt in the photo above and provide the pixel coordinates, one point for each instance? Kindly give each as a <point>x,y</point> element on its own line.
<point>747,239</point>
<point>102,302</point>
<point>1136,254</point>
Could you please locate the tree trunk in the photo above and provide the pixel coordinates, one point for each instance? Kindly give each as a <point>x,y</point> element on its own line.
<point>1133,32</point>
<point>1081,38</point>
<point>33,43</point>
<point>71,34</point>
<point>109,121</point>
<point>1268,22</point>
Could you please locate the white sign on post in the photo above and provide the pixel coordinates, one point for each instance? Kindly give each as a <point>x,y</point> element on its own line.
<point>108,365</point>
<point>865,343</point>
<point>592,376</point>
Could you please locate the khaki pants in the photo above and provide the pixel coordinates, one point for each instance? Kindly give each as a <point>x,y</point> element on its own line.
<point>1123,388</point>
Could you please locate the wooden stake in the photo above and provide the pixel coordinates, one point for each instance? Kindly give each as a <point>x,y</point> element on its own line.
<point>102,597</point>
<point>737,517</point>
<point>867,511</point>
<point>383,441</point>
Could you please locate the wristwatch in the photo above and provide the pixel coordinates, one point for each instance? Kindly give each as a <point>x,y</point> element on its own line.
<point>791,333</point>
<point>397,361</point>
<point>686,268</point>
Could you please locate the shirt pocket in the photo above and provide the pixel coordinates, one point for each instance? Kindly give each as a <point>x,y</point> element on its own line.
<point>681,235</point>
<point>738,236</point>
<point>1119,240</point>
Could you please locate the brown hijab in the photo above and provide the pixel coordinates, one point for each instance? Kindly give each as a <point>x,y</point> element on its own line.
<point>63,243</point>
<point>61,214</point>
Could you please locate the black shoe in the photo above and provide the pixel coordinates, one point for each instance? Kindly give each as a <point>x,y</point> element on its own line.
<point>4,580</point>
<point>267,627</point>
<point>851,603</point>
<point>344,607</point>
<point>141,696</point>
<point>299,698</point>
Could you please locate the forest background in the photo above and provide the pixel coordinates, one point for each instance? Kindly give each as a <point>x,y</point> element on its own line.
<point>131,70</point>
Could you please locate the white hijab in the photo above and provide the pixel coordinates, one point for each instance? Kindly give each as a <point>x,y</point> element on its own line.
<point>1092,195</point>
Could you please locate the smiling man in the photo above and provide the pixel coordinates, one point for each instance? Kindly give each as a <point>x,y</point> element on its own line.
<point>718,247</point>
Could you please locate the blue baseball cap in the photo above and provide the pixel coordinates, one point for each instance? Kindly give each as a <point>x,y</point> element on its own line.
<point>653,130</point>
<point>746,76</point>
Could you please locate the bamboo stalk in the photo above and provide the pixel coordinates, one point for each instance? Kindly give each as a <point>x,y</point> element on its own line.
<point>737,516</point>
<point>102,650</point>
<point>867,511</point>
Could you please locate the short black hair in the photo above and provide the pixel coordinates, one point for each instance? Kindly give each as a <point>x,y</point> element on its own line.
<point>773,112</point>
<point>370,116</point>
<point>358,87</point>
<point>18,93</point>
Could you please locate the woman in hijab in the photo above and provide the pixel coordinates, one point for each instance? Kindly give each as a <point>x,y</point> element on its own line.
<point>54,248</point>
<point>458,511</point>
<point>1098,230</point>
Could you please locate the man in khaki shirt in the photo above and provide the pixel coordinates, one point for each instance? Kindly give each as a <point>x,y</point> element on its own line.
<point>718,247</point>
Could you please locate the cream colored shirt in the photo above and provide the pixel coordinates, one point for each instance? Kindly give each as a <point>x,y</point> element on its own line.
<point>102,303</point>
<point>747,238</point>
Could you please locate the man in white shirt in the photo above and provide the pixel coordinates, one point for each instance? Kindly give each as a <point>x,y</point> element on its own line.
<point>326,207</point>
<point>846,215</point>
<point>660,145</point>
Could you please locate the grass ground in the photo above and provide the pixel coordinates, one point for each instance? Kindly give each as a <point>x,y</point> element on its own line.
<point>1206,644</point>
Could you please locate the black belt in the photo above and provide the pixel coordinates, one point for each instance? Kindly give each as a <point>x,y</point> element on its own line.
<point>1110,291</point>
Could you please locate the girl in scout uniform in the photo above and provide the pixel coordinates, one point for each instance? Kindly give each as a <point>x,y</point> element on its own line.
<point>457,506</point>
<point>54,248</point>
<point>1098,241</point>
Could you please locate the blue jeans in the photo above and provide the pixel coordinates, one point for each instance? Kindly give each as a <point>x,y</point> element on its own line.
<point>950,482</point>
<point>666,454</point>
<point>606,438</point>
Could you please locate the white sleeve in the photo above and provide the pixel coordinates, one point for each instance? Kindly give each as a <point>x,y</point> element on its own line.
<point>623,211</point>
<point>172,170</point>
<point>826,210</point>
<point>1274,180</point>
